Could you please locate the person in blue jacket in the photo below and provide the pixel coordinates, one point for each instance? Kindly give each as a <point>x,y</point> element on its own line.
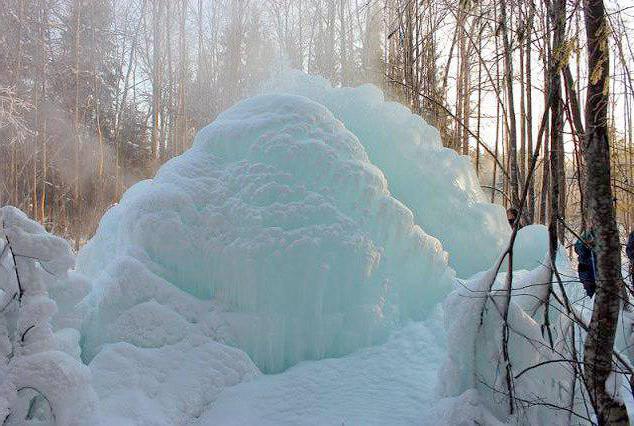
<point>584,247</point>
<point>629,251</point>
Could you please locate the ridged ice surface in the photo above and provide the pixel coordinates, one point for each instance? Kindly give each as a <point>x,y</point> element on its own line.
<point>438,185</point>
<point>277,214</point>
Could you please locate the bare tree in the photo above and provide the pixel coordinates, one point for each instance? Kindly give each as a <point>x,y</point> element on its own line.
<point>512,129</point>
<point>596,152</point>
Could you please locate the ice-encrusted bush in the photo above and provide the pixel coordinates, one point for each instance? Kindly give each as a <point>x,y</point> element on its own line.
<point>541,375</point>
<point>41,377</point>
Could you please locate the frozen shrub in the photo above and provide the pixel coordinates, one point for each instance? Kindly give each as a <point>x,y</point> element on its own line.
<point>39,381</point>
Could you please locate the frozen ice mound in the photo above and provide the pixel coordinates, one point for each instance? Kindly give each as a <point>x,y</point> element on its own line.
<point>278,216</point>
<point>437,184</point>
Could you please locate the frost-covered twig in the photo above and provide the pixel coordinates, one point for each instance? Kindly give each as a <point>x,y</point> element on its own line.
<point>543,403</point>
<point>15,264</point>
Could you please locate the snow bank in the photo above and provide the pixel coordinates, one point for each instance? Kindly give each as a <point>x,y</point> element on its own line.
<point>278,215</point>
<point>438,185</point>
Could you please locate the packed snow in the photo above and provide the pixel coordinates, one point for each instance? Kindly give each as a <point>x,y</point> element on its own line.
<point>295,266</point>
<point>474,341</point>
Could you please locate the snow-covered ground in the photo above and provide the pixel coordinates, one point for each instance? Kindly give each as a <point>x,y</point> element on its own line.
<point>390,384</point>
<point>393,383</point>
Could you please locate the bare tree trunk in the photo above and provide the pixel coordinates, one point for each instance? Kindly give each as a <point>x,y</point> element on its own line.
<point>557,15</point>
<point>479,113</point>
<point>199,54</point>
<point>76,188</point>
<point>120,107</point>
<point>522,161</point>
<point>38,74</point>
<point>168,112</point>
<point>512,133</point>
<point>342,42</point>
<point>529,111</point>
<point>156,76</point>
<point>497,114</point>
<point>545,190</point>
<point>182,119</point>
<point>17,71</point>
<point>41,112</point>
<point>577,124</point>
<point>463,80</point>
<point>607,302</point>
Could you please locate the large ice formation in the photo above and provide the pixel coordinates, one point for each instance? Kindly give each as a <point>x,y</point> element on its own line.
<point>276,213</point>
<point>438,185</point>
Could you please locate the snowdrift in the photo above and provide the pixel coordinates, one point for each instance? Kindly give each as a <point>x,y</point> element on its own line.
<point>277,215</point>
<point>390,384</point>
